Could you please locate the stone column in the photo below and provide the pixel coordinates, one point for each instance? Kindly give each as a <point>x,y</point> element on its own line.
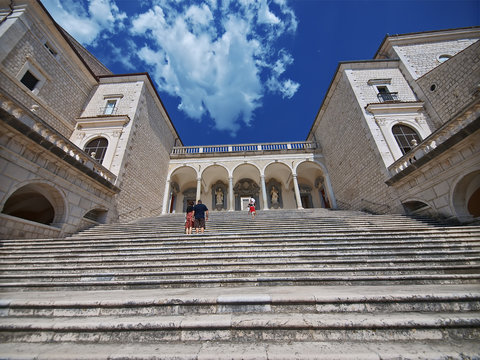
<point>297,192</point>
<point>199,188</point>
<point>231,200</point>
<point>166,196</point>
<point>264,192</point>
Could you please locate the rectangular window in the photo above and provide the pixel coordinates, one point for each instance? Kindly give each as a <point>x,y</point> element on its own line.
<point>110,108</point>
<point>385,95</point>
<point>29,80</point>
<point>50,49</point>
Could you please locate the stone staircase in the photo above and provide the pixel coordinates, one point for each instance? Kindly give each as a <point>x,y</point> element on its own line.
<point>289,284</point>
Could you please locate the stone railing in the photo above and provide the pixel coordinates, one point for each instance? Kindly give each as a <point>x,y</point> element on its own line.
<point>242,148</point>
<point>71,153</point>
<point>435,140</point>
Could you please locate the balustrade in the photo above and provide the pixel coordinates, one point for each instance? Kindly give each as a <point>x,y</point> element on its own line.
<point>431,142</point>
<point>280,146</point>
<point>57,139</point>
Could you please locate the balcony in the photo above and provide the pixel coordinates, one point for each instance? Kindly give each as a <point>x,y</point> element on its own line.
<point>225,150</point>
<point>388,96</point>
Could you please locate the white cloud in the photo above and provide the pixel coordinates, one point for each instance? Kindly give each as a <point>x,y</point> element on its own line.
<point>213,55</point>
<point>213,58</point>
<point>86,25</point>
<point>265,16</point>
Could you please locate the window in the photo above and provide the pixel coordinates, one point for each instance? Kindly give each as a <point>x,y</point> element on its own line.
<point>32,76</point>
<point>110,108</point>
<point>97,149</point>
<point>29,80</point>
<point>406,137</point>
<point>50,49</point>
<point>385,95</point>
<point>444,57</point>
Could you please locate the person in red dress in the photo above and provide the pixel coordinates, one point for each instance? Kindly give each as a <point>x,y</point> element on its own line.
<point>189,218</point>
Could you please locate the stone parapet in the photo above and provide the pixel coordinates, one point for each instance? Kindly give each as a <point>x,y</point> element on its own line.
<point>252,149</point>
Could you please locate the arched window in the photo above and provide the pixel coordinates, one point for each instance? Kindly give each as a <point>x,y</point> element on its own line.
<point>97,149</point>
<point>406,137</point>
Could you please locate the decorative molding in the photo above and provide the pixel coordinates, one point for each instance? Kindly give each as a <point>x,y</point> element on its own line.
<point>379,81</point>
<point>395,108</point>
<point>102,121</point>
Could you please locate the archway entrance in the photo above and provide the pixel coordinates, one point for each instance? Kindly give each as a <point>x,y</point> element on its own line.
<point>466,197</point>
<point>40,203</point>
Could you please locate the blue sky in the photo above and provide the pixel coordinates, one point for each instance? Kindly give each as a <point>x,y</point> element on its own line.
<point>244,71</point>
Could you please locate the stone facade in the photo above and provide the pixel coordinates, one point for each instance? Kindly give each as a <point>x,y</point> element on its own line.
<point>454,84</point>
<point>425,84</point>
<point>193,178</point>
<point>48,123</point>
<point>82,146</point>
<point>352,158</point>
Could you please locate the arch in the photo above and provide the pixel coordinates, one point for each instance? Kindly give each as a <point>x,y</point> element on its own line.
<point>181,181</point>
<point>314,185</point>
<point>215,189</point>
<point>417,207</point>
<point>246,181</point>
<point>97,215</point>
<point>243,190</point>
<point>182,167</point>
<point>38,202</point>
<point>466,196</point>
<point>97,148</point>
<point>277,175</point>
<point>406,137</point>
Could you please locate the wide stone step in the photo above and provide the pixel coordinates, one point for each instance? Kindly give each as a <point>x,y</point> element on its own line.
<point>243,327</point>
<point>214,264</point>
<point>256,350</point>
<point>244,227</point>
<point>243,315</point>
<point>333,264</point>
<point>252,270</point>
<point>318,257</point>
<point>110,282</point>
<point>280,244</point>
<point>246,300</point>
<point>249,252</point>
<point>386,238</point>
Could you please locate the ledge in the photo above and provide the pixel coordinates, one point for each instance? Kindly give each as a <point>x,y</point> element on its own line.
<point>394,107</point>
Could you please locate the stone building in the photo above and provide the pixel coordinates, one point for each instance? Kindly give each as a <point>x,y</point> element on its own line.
<point>409,123</point>
<point>82,146</point>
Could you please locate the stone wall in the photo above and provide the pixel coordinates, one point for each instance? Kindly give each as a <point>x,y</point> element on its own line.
<point>435,183</point>
<point>144,171</point>
<point>25,163</point>
<point>423,57</point>
<point>352,158</point>
<point>66,88</point>
<point>454,84</point>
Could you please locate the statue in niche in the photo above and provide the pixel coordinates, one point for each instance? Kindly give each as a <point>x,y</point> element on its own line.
<point>274,195</point>
<point>219,196</point>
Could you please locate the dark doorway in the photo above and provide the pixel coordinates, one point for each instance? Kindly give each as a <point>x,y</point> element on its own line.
<point>28,204</point>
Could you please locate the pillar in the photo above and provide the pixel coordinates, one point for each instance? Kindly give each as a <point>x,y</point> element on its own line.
<point>264,192</point>
<point>199,188</point>
<point>297,192</point>
<point>166,196</point>
<point>231,200</point>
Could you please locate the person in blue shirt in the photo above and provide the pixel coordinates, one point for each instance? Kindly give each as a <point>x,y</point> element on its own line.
<point>201,215</point>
